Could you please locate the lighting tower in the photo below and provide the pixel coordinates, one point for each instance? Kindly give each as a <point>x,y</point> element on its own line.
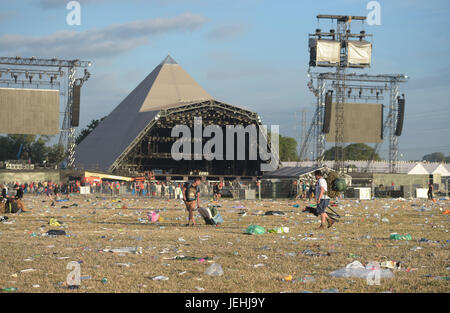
<point>49,72</point>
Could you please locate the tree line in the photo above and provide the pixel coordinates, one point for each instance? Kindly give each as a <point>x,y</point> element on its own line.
<point>35,149</point>
<point>32,148</point>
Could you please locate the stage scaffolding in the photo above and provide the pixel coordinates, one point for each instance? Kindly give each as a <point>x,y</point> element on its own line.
<point>41,72</point>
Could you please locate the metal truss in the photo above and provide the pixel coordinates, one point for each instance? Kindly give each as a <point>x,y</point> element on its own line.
<point>35,77</point>
<point>342,82</point>
<point>385,82</point>
<point>320,137</point>
<point>33,61</point>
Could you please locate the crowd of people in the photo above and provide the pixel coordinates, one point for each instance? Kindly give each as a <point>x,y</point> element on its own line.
<point>156,189</point>
<point>188,192</point>
<point>304,190</point>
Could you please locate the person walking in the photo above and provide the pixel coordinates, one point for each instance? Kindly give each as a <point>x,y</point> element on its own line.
<point>311,191</point>
<point>322,199</point>
<point>177,191</point>
<point>56,191</point>
<point>191,197</point>
<point>49,192</point>
<point>304,190</point>
<point>430,191</point>
<point>19,191</point>
<point>163,191</point>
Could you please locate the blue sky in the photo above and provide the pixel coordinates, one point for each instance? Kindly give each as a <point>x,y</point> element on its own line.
<point>250,53</point>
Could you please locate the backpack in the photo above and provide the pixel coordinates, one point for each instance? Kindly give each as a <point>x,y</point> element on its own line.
<point>211,216</point>
<point>12,206</point>
<point>16,207</point>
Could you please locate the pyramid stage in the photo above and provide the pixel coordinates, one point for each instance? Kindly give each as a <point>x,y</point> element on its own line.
<point>136,137</point>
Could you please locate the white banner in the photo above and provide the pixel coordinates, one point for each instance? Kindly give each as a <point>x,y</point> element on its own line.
<point>359,52</point>
<point>328,51</point>
<point>85,190</point>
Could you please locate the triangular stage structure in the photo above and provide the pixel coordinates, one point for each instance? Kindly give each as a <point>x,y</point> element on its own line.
<point>166,91</point>
<point>172,86</point>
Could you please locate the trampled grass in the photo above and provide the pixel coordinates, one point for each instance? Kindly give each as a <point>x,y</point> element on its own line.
<point>99,223</point>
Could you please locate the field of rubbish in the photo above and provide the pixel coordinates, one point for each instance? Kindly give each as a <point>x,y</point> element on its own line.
<point>108,244</point>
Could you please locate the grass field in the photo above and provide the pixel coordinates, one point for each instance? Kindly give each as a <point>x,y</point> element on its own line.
<point>251,263</point>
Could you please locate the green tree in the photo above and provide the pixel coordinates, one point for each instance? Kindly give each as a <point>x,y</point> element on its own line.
<point>288,149</point>
<point>38,149</point>
<point>8,150</point>
<point>355,151</point>
<point>55,154</point>
<point>434,157</point>
<point>89,128</point>
<point>33,147</point>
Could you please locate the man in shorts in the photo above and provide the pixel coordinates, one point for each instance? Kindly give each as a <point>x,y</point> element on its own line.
<point>322,200</point>
<point>191,197</point>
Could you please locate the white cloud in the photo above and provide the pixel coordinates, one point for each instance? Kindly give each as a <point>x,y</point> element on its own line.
<point>108,41</point>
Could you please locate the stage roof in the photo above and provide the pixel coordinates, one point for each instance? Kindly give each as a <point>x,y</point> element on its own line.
<point>167,87</point>
<point>291,172</point>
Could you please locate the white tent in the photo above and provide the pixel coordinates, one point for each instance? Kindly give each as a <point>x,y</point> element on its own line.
<point>434,168</point>
<point>418,169</point>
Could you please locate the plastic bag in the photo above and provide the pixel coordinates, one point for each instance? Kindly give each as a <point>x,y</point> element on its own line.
<point>356,269</point>
<point>153,216</point>
<point>279,230</point>
<point>400,237</point>
<point>214,270</point>
<point>255,230</point>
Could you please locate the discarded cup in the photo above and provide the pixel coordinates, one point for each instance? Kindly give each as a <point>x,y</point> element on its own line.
<point>160,278</point>
<point>288,278</point>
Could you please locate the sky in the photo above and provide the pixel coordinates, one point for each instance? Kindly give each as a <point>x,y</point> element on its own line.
<point>249,53</point>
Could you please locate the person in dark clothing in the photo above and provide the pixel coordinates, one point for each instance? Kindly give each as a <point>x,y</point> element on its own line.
<point>163,191</point>
<point>171,191</point>
<point>311,191</point>
<point>4,192</point>
<point>19,192</point>
<point>56,190</point>
<point>217,191</point>
<point>430,191</point>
